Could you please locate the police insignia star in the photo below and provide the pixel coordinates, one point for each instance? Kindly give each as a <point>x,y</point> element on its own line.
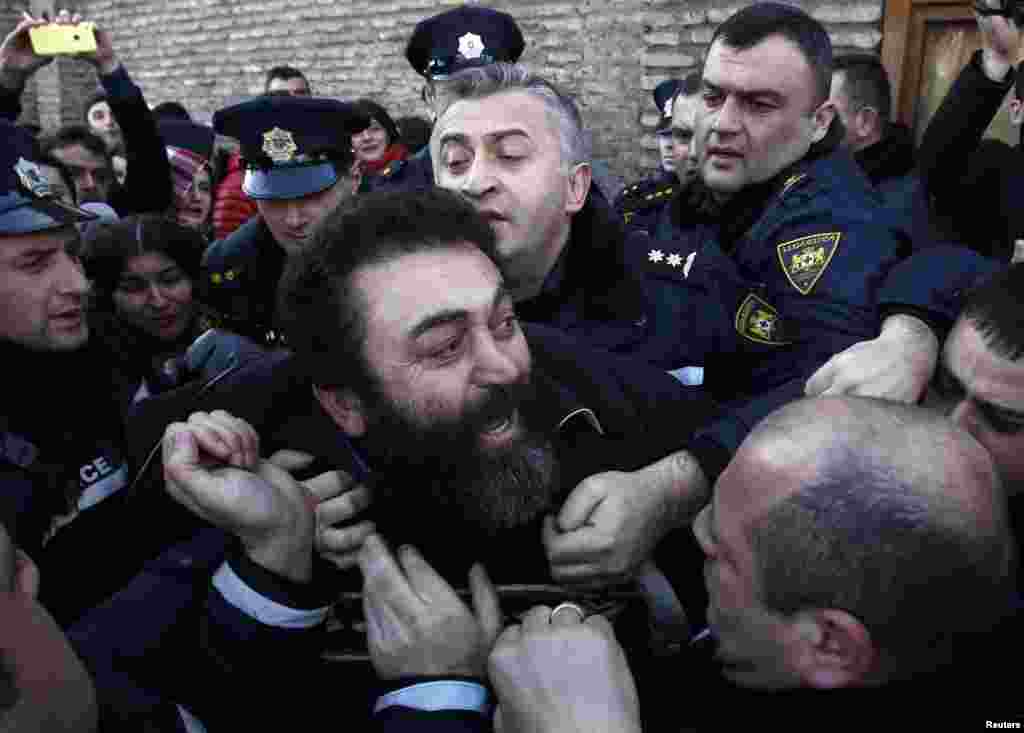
<point>655,255</point>
<point>757,321</point>
<point>674,259</point>
<point>471,46</point>
<point>32,178</point>
<point>279,145</point>
<point>804,260</point>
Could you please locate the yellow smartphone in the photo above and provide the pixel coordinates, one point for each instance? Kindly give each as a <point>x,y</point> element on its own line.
<point>55,39</point>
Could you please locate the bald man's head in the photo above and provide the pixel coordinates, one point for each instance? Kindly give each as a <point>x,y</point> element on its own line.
<point>887,511</point>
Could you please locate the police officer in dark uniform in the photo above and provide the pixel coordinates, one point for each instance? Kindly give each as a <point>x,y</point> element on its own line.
<point>440,46</point>
<point>297,152</point>
<point>640,203</point>
<point>64,475</point>
<point>783,239</point>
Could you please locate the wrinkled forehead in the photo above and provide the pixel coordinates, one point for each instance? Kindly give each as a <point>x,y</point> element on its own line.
<point>458,278</point>
<point>774,64</point>
<point>508,112</point>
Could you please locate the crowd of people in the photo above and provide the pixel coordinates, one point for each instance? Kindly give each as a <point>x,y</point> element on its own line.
<point>420,424</point>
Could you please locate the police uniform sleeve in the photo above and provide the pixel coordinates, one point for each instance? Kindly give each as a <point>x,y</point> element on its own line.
<point>933,285</point>
<point>147,187</point>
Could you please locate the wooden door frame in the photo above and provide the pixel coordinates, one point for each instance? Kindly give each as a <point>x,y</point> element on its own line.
<point>903,37</point>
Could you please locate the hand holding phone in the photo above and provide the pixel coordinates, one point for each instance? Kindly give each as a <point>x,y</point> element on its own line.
<point>56,39</point>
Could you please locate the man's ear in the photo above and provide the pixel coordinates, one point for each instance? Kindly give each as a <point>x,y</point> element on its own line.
<point>822,120</point>
<point>344,407</point>
<point>579,187</point>
<point>1016,112</point>
<point>834,649</point>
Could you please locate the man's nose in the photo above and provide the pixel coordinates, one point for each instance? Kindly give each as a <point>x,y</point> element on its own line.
<point>294,216</point>
<point>494,363</point>
<point>479,179</point>
<point>72,279</point>
<point>727,117</point>
<point>965,416</point>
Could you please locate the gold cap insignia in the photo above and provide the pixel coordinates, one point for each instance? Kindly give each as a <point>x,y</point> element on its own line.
<point>471,46</point>
<point>279,145</point>
<point>759,322</point>
<point>32,178</point>
<point>804,260</point>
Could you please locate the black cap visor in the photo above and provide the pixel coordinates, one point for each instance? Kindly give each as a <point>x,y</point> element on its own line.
<point>289,181</point>
<point>20,214</point>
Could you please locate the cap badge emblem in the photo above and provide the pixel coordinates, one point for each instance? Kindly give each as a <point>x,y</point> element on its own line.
<point>32,178</point>
<point>279,145</point>
<point>668,107</point>
<point>471,46</point>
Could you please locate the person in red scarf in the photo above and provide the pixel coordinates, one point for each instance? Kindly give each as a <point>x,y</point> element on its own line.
<point>376,147</point>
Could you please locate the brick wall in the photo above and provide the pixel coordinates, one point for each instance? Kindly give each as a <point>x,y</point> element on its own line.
<point>609,53</point>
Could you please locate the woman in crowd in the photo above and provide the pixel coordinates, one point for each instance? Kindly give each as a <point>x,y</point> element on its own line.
<point>376,147</point>
<point>143,269</point>
<point>189,150</point>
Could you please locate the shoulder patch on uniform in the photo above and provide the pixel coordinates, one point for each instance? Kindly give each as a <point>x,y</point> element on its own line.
<point>805,259</point>
<point>757,321</point>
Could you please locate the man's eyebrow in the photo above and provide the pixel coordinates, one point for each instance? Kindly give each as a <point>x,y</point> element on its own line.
<point>453,315</point>
<point>461,138</point>
<point>746,93</point>
<point>441,318</point>
<point>42,250</point>
<point>453,137</point>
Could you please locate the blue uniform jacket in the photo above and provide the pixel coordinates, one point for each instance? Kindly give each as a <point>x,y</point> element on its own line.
<point>238,285</point>
<point>774,296</point>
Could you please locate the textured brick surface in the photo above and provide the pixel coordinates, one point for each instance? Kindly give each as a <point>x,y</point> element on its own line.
<point>609,53</point>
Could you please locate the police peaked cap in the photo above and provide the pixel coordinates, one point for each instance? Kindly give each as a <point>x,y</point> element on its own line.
<point>26,202</point>
<point>189,136</point>
<point>290,144</point>
<point>463,37</point>
<point>663,94</point>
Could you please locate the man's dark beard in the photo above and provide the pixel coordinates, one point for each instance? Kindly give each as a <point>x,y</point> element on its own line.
<point>440,475</point>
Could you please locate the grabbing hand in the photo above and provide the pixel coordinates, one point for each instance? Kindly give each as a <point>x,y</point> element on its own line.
<point>562,674</point>
<point>416,623</point>
<point>17,59</point>
<point>896,366</point>
<point>212,466</point>
<point>612,521</point>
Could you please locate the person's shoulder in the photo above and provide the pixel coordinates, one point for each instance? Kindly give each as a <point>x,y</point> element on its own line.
<point>411,173</point>
<point>644,194</point>
<point>235,249</point>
